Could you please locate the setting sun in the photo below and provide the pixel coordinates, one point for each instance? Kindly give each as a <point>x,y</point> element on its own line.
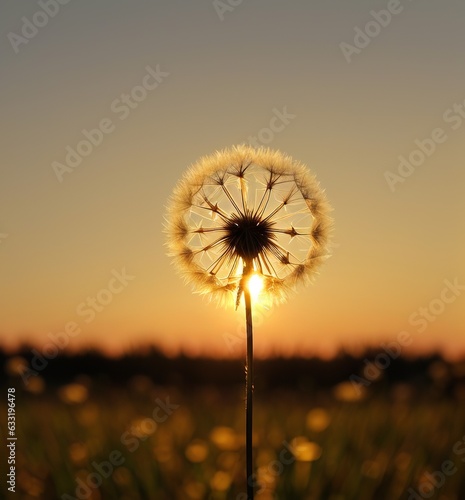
<point>231,250</point>
<point>255,285</point>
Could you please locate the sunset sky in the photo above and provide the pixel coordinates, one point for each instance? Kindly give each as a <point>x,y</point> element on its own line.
<point>216,76</point>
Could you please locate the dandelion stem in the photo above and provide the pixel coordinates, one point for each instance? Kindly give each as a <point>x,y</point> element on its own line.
<point>249,386</point>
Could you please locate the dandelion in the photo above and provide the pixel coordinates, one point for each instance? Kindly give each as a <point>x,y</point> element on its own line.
<point>248,212</point>
<point>248,223</point>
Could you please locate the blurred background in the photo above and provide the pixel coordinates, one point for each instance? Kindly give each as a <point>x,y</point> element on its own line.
<point>104,107</point>
<point>144,426</point>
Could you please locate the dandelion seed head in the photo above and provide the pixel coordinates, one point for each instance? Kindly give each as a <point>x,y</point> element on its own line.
<point>245,210</point>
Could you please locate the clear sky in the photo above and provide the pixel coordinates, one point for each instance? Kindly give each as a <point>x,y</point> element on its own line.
<point>217,76</point>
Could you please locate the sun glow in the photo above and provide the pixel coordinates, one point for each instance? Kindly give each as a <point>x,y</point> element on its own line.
<point>255,286</point>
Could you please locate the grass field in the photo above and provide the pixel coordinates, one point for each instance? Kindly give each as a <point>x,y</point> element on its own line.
<point>143,441</point>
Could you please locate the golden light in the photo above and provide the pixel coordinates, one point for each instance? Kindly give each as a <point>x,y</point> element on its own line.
<point>225,438</point>
<point>255,285</point>
<point>73,393</point>
<point>247,192</point>
<point>304,450</point>
<point>197,451</point>
<point>318,419</point>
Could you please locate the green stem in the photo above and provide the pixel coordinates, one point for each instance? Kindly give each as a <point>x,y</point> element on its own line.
<point>249,392</point>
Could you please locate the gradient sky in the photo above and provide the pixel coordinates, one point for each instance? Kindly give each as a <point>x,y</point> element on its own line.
<point>393,250</point>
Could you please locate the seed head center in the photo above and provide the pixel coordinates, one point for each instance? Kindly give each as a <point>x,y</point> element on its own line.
<point>248,235</point>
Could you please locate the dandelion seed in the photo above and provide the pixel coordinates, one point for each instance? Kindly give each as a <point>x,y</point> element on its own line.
<point>250,223</point>
<point>246,210</point>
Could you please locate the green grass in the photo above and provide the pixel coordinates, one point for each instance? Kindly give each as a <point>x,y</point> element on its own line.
<point>372,448</point>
